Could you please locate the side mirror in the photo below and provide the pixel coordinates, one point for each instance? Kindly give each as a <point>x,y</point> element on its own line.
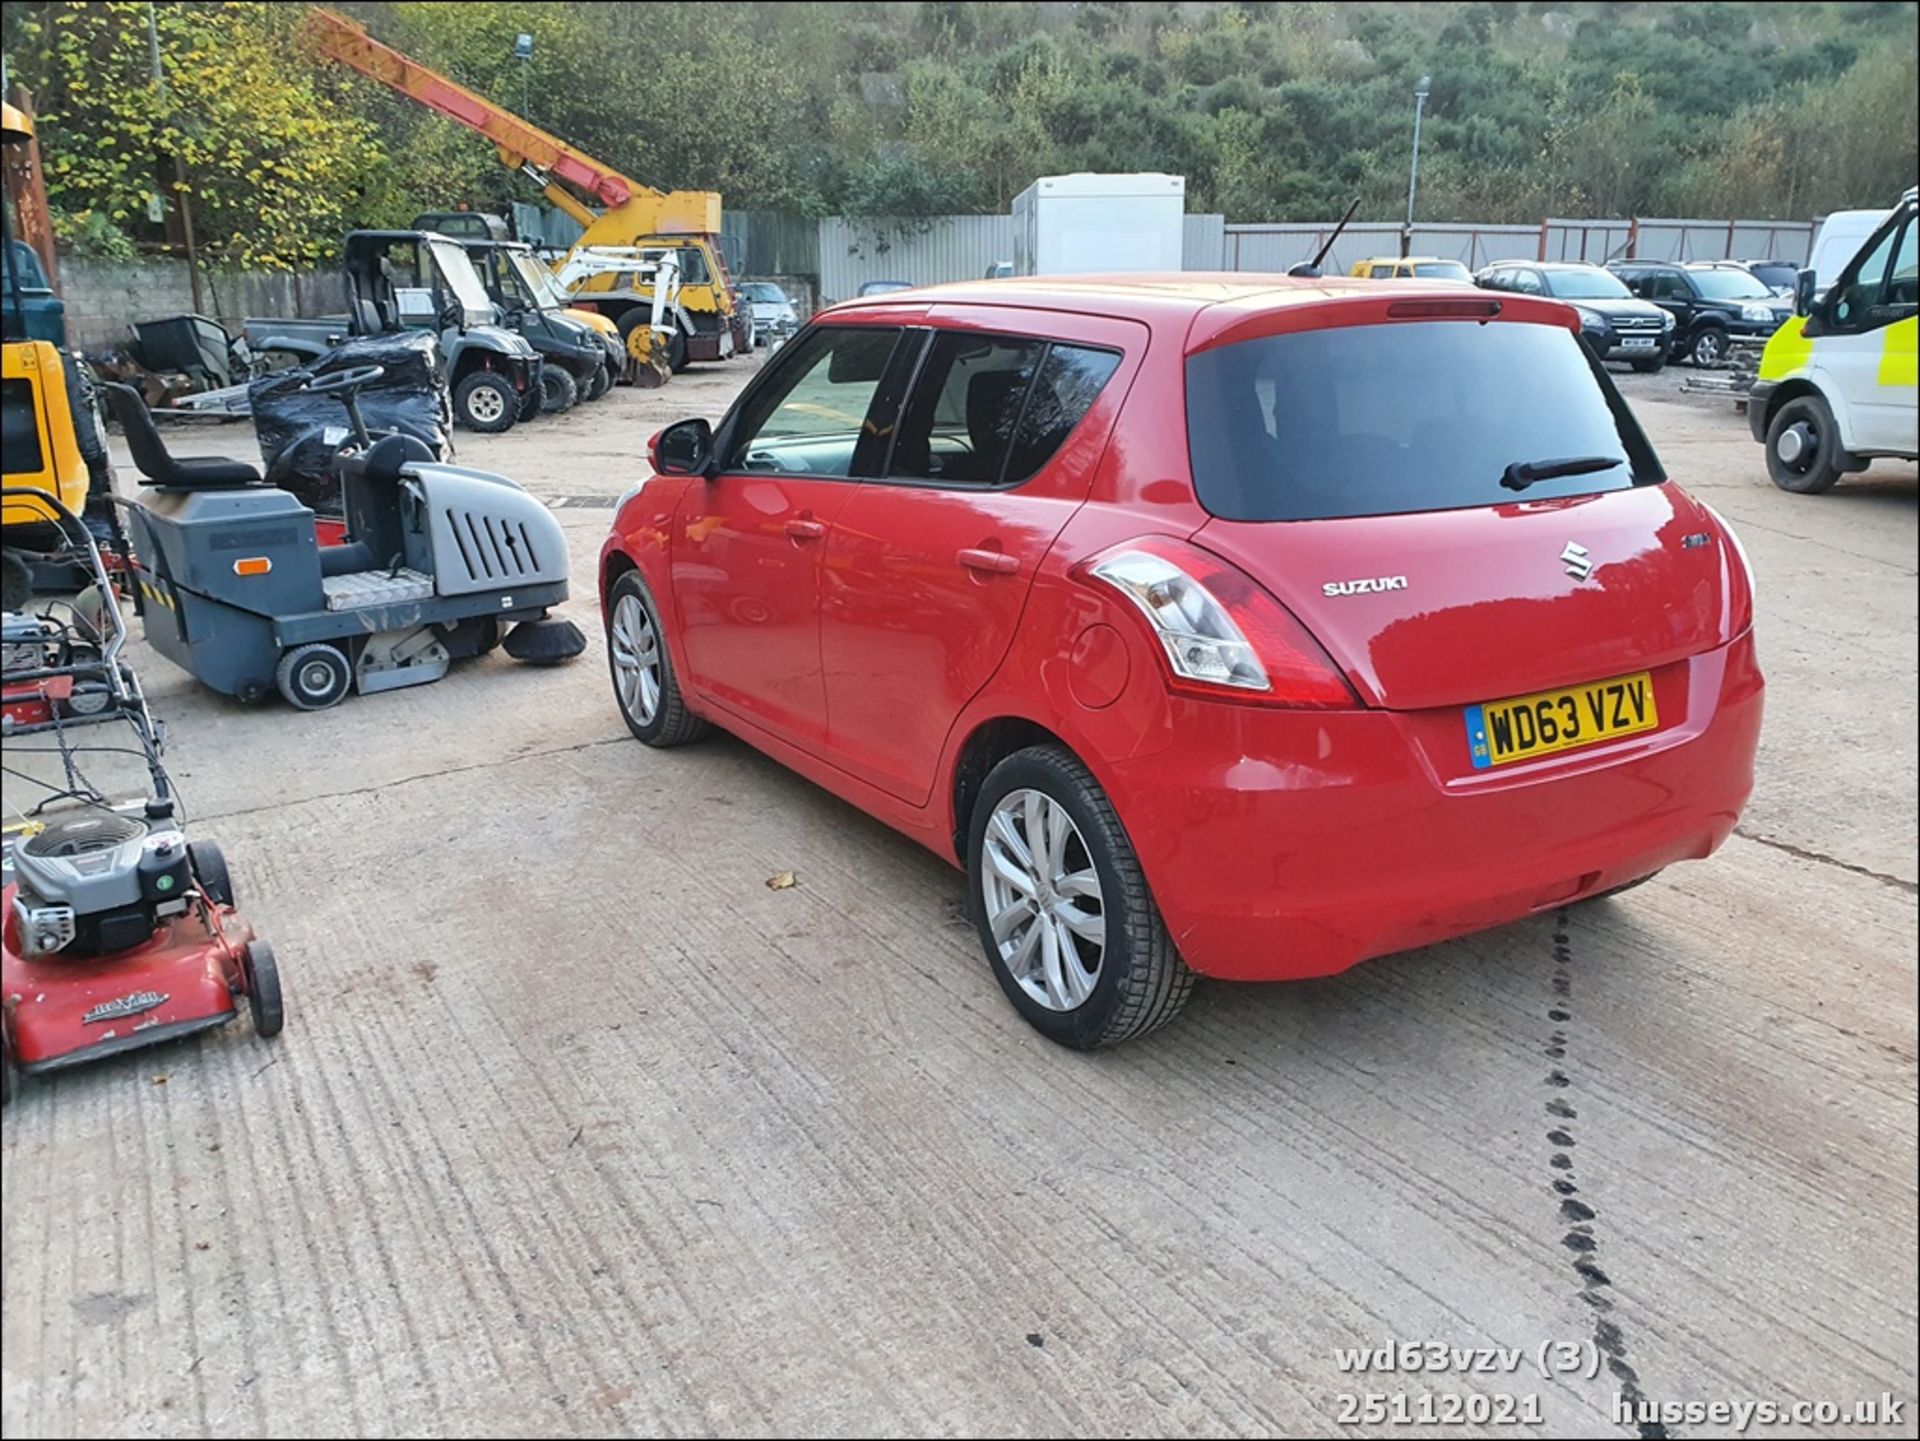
<point>1803,287</point>
<point>683,448</point>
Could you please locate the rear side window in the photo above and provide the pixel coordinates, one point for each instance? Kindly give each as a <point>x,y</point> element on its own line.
<point>1292,427</point>
<point>991,410</point>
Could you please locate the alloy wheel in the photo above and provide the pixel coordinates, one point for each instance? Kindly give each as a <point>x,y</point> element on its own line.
<point>636,659</point>
<point>1042,899</point>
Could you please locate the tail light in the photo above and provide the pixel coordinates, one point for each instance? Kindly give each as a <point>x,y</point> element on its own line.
<point>1220,634</point>
<point>1739,578</point>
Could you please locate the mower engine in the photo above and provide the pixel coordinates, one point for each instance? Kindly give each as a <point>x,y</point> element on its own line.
<point>100,883</point>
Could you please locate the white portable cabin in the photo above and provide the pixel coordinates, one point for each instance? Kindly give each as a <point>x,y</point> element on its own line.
<point>1082,224</point>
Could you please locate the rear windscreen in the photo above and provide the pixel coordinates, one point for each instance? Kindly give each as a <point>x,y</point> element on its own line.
<point>1402,416</point>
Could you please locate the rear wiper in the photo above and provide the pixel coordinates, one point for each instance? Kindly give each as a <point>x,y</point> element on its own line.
<point>1523,473</point>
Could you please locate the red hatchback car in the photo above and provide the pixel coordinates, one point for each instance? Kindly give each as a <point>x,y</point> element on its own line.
<point>1229,625</point>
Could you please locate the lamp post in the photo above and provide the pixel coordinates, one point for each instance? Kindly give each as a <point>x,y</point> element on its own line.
<point>1420,93</point>
<point>523,52</point>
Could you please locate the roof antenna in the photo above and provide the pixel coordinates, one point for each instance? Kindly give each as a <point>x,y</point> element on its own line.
<point>1310,269</point>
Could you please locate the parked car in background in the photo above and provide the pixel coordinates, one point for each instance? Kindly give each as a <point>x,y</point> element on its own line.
<point>884,287</point>
<point>1239,626</point>
<point>1837,383</point>
<point>1712,306</point>
<point>1410,267</point>
<point>1614,324</point>
<point>774,316</point>
<point>1000,270</point>
<point>1779,276</point>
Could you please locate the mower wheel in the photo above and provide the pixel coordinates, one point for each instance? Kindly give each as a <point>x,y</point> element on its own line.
<point>558,390</point>
<point>313,677</point>
<point>485,402</point>
<point>209,864</point>
<point>262,975</point>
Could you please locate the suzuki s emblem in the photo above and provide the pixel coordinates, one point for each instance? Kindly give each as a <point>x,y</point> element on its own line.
<point>1575,558</point>
<point>136,1004</point>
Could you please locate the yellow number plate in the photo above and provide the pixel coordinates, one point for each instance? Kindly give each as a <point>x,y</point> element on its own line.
<point>1557,720</point>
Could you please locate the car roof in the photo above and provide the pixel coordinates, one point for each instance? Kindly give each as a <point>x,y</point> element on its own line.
<point>1168,301</point>
<point>1407,259</point>
<point>1549,264</point>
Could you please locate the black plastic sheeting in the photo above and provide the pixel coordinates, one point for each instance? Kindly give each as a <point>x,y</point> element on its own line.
<point>300,432</point>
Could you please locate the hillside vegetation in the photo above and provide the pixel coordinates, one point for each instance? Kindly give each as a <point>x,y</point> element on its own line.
<point>1273,111</point>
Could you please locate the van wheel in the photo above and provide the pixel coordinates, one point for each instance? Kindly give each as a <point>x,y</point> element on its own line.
<point>1803,453</point>
<point>485,402</point>
<point>1062,907</point>
<point>558,390</point>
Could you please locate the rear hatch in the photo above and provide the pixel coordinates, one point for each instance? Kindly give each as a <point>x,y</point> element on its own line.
<point>1357,473</point>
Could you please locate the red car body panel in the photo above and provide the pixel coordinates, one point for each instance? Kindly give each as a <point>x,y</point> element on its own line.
<point>1279,843</point>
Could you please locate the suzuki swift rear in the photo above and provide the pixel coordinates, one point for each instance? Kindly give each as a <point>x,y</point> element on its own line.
<point>1246,629</point>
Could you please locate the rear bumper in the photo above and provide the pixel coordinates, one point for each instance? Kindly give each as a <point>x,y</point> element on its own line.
<point>1282,845</point>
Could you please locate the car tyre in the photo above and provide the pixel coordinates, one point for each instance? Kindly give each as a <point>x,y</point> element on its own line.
<point>485,402</point>
<point>646,682</point>
<point>313,677</point>
<point>1138,982</point>
<point>599,383</point>
<point>1803,451</point>
<point>1709,347</point>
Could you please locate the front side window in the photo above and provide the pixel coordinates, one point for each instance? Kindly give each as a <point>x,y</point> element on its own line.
<point>811,418</point>
<point>1668,286</point>
<point>1291,427</point>
<point>1527,282</point>
<point>1879,286</point>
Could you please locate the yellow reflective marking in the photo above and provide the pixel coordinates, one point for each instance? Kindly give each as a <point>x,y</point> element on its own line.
<point>1788,351</point>
<point>1897,363</point>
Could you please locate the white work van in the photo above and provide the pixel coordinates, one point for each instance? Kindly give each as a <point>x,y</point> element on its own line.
<point>1837,381</point>
<point>1084,224</point>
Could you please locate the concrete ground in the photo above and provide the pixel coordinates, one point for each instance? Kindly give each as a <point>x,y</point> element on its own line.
<point>577,1127</point>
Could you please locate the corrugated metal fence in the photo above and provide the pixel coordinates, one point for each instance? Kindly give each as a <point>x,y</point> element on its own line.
<point>845,253</point>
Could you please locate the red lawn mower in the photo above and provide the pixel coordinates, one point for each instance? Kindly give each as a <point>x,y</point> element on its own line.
<point>117,931</point>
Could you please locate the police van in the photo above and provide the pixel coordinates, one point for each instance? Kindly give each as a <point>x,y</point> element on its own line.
<point>1836,387</point>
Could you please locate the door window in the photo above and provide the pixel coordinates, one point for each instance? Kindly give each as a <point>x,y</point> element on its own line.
<point>812,416</point>
<point>958,427</point>
<point>1667,286</point>
<point>1879,286</point>
<point>991,410</point>
<point>1528,282</point>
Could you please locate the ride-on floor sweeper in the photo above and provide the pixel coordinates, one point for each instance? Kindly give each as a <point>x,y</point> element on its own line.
<point>439,561</point>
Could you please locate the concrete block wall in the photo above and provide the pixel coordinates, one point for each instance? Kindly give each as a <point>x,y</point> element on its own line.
<point>104,297</point>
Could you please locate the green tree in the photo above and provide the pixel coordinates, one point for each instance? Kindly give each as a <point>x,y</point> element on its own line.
<point>273,166</point>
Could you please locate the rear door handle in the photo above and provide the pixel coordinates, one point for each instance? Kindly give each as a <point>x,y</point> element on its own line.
<point>994,562</point>
<point>806,529</point>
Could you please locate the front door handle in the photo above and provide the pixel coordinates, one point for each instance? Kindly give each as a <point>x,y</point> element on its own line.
<point>806,529</point>
<point>993,562</point>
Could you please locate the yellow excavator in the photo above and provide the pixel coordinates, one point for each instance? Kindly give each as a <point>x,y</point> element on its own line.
<point>52,436</point>
<point>637,231</point>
